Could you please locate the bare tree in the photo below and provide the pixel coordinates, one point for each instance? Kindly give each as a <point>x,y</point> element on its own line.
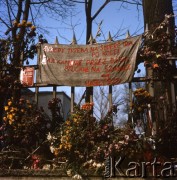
<point>18,20</point>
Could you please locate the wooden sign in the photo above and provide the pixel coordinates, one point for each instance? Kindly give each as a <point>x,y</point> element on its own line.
<point>88,65</point>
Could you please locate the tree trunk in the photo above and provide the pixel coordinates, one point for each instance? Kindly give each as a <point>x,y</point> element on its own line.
<point>154,14</point>
<point>154,11</point>
<point>88,10</point>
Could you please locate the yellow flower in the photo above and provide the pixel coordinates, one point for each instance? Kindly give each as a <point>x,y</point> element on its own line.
<point>6,108</point>
<point>19,25</point>
<point>4,118</point>
<point>15,23</point>
<point>67,132</point>
<point>9,103</point>
<point>28,24</point>
<point>10,116</point>
<point>29,106</point>
<point>139,109</point>
<point>69,146</point>
<point>23,22</point>
<point>33,28</point>
<point>75,120</point>
<point>67,122</point>
<point>60,147</point>
<point>11,121</point>
<point>15,109</point>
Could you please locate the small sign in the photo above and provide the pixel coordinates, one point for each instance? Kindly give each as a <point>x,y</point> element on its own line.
<point>27,76</point>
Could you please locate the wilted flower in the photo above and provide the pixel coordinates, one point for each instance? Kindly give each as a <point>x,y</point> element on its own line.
<point>69,172</point>
<point>52,149</point>
<point>50,137</point>
<point>77,176</point>
<point>6,108</point>
<point>33,28</point>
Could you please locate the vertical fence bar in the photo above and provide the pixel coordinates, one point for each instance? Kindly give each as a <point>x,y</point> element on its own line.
<point>55,87</point>
<point>72,98</point>
<point>130,102</point>
<point>110,87</point>
<point>89,90</point>
<point>110,96</point>
<point>36,98</point>
<point>74,41</point>
<point>54,91</point>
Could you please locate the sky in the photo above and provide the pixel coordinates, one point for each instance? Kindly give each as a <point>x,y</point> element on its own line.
<point>114,20</point>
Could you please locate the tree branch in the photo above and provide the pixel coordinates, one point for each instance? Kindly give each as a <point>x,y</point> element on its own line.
<point>129,2</point>
<point>8,10</point>
<point>41,2</point>
<point>75,1</point>
<point>100,9</point>
<point>4,23</point>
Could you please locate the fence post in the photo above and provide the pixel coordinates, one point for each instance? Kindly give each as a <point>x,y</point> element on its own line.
<point>72,98</point>
<point>55,87</point>
<point>54,91</point>
<point>130,91</point>
<point>110,87</point>
<point>130,103</point>
<point>74,41</point>
<point>36,98</point>
<point>89,90</point>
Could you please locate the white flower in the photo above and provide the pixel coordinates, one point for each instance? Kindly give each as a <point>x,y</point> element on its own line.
<point>127,137</point>
<point>121,142</point>
<point>52,149</point>
<point>46,167</point>
<point>94,164</point>
<point>25,167</point>
<point>50,137</point>
<point>69,172</point>
<point>77,176</point>
<point>91,160</point>
<point>98,165</point>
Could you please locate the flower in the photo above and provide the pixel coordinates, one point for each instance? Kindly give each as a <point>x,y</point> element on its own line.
<point>6,108</point>
<point>23,22</point>
<point>33,28</point>
<point>49,137</point>
<point>4,118</point>
<point>28,24</point>
<point>155,66</point>
<point>19,25</point>
<point>69,172</point>
<point>15,23</point>
<point>29,106</point>
<point>9,103</point>
<point>77,176</point>
<point>52,149</point>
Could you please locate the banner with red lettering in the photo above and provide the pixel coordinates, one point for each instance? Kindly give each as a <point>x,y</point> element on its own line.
<point>110,63</point>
